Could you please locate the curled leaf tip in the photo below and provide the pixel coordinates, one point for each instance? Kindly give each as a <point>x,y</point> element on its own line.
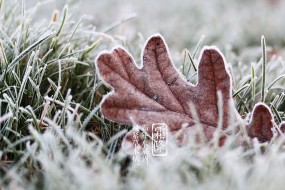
<point>261,123</point>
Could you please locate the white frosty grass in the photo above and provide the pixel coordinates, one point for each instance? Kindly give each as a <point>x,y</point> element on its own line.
<point>65,159</point>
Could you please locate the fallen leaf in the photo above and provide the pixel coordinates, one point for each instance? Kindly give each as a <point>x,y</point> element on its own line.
<point>262,123</point>
<point>157,92</point>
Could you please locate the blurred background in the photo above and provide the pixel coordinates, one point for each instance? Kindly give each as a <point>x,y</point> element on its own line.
<point>226,23</point>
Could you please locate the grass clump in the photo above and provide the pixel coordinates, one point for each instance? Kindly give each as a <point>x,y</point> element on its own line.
<point>47,69</point>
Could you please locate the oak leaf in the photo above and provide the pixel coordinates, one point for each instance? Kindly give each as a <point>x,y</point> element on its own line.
<point>262,123</point>
<point>156,92</point>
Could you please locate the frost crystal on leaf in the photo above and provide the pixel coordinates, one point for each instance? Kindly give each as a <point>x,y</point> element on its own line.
<point>158,93</point>
<point>262,123</point>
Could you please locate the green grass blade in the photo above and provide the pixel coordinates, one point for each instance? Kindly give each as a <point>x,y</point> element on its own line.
<point>275,81</point>
<point>240,90</point>
<point>65,11</point>
<point>264,60</point>
<point>116,24</point>
<point>198,46</point>
<point>253,82</point>
<point>279,119</point>
<point>28,50</point>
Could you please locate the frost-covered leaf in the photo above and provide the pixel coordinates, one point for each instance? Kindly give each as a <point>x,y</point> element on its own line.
<point>262,123</point>
<point>158,93</point>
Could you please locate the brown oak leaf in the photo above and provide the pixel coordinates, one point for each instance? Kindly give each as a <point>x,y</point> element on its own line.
<point>262,123</point>
<point>157,92</point>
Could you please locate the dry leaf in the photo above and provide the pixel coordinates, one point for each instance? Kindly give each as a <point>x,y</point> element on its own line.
<point>158,93</point>
<point>262,123</point>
